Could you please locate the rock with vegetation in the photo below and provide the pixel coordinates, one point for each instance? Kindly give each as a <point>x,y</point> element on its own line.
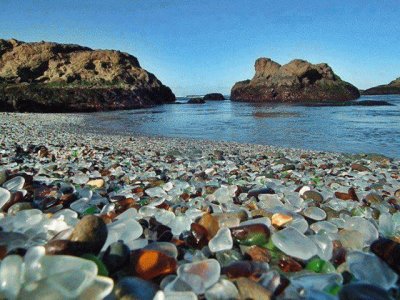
<point>297,81</point>
<point>214,96</point>
<point>385,89</point>
<point>52,77</point>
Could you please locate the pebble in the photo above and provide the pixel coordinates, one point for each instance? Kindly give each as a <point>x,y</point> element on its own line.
<point>91,233</point>
<point>371,269</point>
<point>5,195</point>
<point>389,251</point>
<point>313,195</point>
<point>96,183</point>
<point>360,168</point>
<point>222,290</point>
<point>248,289</point>
<point>373,198</point>
<point>294,243</point>
<point>200,275</point>
<point>221,241</point>
<point>116,256</point>
<point>14,184</point>
<point>314,213</point>
<point>134,288</point>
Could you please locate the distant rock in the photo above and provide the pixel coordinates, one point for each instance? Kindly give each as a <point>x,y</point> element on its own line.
<point>196,101</point>
<point>297,81</point>
<point>214,96</point>
<point>52,77</point>
<point>385,89</point>
<point>351,103</point>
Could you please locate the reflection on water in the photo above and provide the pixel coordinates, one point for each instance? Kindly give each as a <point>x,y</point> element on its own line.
<point>346,129</point>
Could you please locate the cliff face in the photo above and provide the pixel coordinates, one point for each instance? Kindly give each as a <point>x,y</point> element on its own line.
<point>297,81</point>
<point>385,89</point>
<point>59,77</point>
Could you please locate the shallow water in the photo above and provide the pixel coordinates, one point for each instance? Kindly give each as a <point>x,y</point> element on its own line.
<point>351,129</point>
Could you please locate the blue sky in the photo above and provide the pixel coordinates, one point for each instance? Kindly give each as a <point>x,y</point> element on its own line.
<point>205,46</point>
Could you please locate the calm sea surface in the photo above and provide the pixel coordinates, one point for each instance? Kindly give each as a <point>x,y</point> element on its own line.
<point>350,129</point>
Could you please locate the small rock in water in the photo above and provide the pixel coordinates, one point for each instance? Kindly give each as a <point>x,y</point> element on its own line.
<point>294,243</point>
<point>221,241</point>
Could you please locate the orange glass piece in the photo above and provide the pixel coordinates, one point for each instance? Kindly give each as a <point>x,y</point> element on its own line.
<point>210,223</point>
<point>149,264</point>
<point>280,219</point>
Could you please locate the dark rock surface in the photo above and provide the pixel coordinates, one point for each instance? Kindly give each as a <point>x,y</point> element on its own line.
<point>214,96</point>
<point>297,81</point>
<point>196,101</point>
<point>52,77</point>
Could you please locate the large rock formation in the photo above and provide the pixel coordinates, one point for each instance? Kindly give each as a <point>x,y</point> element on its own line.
<point>385,89</point>
<point>297,81</point>
<point>51,77</point>
<point>214,96</point>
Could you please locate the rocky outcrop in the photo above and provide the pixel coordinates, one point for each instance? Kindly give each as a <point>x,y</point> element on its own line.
<point>297,81</point>
<point>52,77</point>
<point>385,89</point>
<point>214,96</point>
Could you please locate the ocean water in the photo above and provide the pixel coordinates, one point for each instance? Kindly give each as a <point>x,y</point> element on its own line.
<point>351,129</point>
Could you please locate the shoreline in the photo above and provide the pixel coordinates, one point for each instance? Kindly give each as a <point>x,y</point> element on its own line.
<point>77,126</point>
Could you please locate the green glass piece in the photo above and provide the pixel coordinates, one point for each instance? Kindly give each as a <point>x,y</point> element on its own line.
<point>333,289</point>
<point>320,266</point>
<point>90,211</point>
<point>270,245</point>
<point>256,238</point>
<point>101,268</point>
